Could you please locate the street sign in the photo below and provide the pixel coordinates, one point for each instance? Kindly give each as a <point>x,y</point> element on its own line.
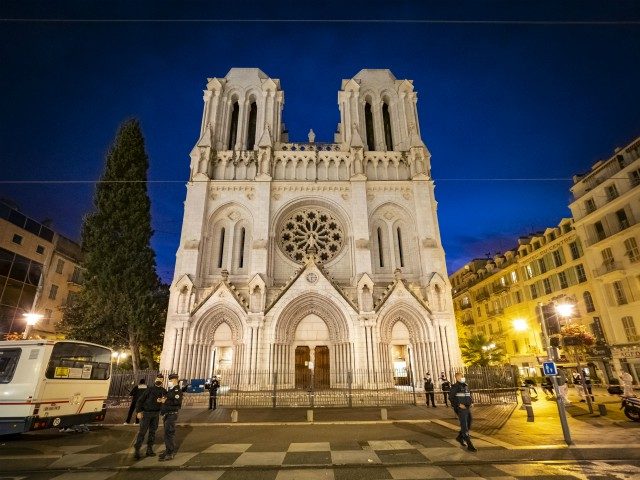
<point>549,368</point>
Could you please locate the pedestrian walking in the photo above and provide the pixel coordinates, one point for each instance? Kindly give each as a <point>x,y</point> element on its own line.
<point>135,393</point>
<point>577,384</point>
<point>213,392</point>
<point>563,388</point>
<point>148,412</point>
<point>169,414</point>
<point>587,382</point>
<point>461,401</point>
<point>547,387</point>
<point>445,386</point>
<point>429,388</point>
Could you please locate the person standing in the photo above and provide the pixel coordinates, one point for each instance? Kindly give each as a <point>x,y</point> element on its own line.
<point>213,392</point>
<point>587,382</point>
<point>148,409</point>
<point>169,414</point>
<point>135,393</point>
<point>445,386</point>
<point>429,388</point>
<point>461,401</point>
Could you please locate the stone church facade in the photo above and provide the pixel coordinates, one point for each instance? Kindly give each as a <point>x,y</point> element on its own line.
<point>310,257</point>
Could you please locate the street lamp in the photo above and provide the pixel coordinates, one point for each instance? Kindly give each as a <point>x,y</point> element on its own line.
<point>559,400</point>
<point>31,318</point>
<point>520,325</point>
<point>117,356</point>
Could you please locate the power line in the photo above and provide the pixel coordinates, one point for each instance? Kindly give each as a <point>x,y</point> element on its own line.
<point>334,20</point>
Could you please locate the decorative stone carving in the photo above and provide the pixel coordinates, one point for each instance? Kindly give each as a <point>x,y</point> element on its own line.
<point>362,243</point>
<point>307,228</point>
<point>191,244</point>
<point>429,243</point>
<point>312,277</point>
<point>260,244</point>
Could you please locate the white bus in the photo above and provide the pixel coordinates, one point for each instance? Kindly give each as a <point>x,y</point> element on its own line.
<point>45,384</point>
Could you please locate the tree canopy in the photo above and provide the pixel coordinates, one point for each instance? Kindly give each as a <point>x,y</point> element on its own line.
<point>122,303</point>
<point>480,350</point>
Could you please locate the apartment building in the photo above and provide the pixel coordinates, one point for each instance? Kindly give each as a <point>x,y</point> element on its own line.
<point>606,211</point>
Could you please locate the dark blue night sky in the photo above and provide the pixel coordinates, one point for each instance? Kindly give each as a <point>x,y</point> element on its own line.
<point>496,101</point>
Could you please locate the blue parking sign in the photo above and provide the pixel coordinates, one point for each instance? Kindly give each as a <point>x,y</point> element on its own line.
<point>549,368</point>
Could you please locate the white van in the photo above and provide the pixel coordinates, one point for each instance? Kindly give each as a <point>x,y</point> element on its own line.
<point>45,384</point>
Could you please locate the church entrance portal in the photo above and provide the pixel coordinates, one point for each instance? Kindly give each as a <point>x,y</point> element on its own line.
<point>312,365</point>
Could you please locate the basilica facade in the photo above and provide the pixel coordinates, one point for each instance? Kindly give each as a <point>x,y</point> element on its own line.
<point>307,256</point>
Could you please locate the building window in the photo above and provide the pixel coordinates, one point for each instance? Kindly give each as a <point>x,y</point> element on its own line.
<point>534,291</point>
<point>557,258</point>
<point>17,239</point>
<point>251,132</point>
<point>588,302</point>
<point>634,178</point>
<point>618,291</point>
<point>516,349</point>
<point>542,266</point>
<point>40,250</point>
<point>59,265</point>
<point>368,126</point>
<point>386,121</point>
<point>607,258</point>
<point>599,230</point>
<point>53,292</point>
<point>612,192</point>
<point>623,221</point>
<point>400,254</point>
<point>630,329</point>
<point>241,253</point>
<point>562,279</point>
<point>590,205</point>
<point>518,296</point>
<point>632,252</point>
<point>575,250</point>
<point>380,249</point>
<point>547,286</point>
<point>233,126</point>
<point>221,249</point>
<point>514,277</point>
<point>529,271</point>
<point>479,311</point>
<point>580,273</point>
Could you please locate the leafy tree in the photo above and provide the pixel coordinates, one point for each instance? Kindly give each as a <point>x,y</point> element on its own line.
<point>119,304</point>
<point>576,341</point>
<point>479,350</point>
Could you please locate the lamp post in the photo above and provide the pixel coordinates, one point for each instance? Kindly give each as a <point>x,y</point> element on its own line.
<point>559,400</point>
<point>32,318</point>
<point>117,356</point>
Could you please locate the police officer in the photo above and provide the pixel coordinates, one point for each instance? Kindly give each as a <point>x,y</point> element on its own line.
<point>429,390</point>
<point>169,416</point>
<point>445,386</point>
<point>148,409</point>
<point>460,397</point>
<point>213,392</point>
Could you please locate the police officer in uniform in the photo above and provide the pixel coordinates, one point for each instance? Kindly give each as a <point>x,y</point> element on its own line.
<point>169,416</point>
<point>148,409</point>
<point>460,397</point>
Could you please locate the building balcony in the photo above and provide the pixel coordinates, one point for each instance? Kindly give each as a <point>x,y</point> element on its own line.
<point>468,322</point>
<point>613,230</point>
<point>608,267</point>
<point>465,306</point>
<point>499,288</point>
<point>75,279</point>
<point>482,295</point>
<point>495,312</point>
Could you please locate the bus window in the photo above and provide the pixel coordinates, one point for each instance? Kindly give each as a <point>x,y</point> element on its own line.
<point>8,362</point>
<point>79,361</point>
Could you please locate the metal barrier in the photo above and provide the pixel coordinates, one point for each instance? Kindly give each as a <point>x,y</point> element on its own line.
<point>489,385</point>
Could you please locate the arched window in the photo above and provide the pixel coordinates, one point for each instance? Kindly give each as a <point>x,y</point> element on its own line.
<point>368,125</point>
<point>588,302</point>
<point>400,254</point>
<point>386,122</point>
<point>241,252</point>
<point>221,249</point>
<point>251,132</point>
<point>233,126</point>
<point>380,249</point>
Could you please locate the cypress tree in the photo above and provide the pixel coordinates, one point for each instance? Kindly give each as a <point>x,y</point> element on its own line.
<point>119,304</point>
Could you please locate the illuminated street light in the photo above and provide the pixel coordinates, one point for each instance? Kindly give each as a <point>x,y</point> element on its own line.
<point>520,325</point>
<point>31,318</point>
<point>565,309</point>
<point>117,356</point>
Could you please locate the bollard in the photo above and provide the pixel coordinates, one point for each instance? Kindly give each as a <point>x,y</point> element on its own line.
<point>602,408</point>
<point>234,416</point>
<point>530,417</point>
<point>383,413</point>
<point>309,415</point>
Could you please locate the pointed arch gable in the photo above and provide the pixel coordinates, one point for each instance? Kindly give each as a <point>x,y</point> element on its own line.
<point>292,314</point>
<point>204,328</point>
<point>417,322</point>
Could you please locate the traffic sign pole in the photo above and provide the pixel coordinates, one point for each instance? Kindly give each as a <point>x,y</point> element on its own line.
<point>554,380</point>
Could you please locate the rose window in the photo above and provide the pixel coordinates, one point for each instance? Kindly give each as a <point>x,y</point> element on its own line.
<point>311,227</point>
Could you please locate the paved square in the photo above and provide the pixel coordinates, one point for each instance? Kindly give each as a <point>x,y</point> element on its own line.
<point>353,457</point>
<point>390,444</point>
<point>417,473</point>
<point>227,448</point>
<point>260,458</point>
<point>77,460</point>
<point>208,475</point>
<point>310,447</point>
<point>215,459</point>
<point>401,456</point>
<point>310,474</point>
<point>307,458</point>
